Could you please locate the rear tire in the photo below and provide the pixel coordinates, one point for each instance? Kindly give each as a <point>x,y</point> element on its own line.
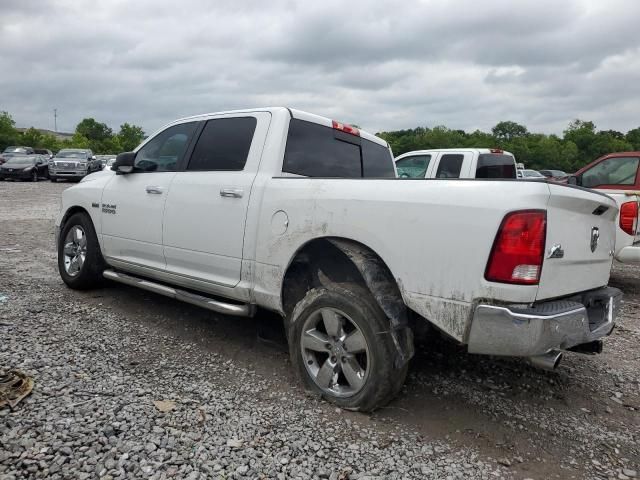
<point>80,261</point>
<point>341,348</point>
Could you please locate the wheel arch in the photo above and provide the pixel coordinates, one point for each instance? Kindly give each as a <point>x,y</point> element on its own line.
<point>326,260</point>
<point>72,211</point>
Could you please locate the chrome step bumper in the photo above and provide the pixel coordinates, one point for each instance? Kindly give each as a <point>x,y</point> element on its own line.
<point>546,326</point>
<point>239,310</point>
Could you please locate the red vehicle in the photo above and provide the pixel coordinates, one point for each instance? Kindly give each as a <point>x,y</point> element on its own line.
<point>614,171</point>
<point>617,175</point>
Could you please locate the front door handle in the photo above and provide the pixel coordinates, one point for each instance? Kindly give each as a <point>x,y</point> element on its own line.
<point>154,189</point>
<point>232,192</point>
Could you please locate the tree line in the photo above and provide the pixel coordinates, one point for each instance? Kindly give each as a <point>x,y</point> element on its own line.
<point>89,133</point>
<point>580,143</point>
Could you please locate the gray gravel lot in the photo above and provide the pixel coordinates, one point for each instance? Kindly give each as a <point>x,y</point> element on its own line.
<point>100,359</point>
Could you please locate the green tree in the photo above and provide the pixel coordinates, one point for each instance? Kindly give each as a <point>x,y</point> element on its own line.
<point>633,137</point>
<point>508,130</point>
<point>130,136</point>
<point>93,130</point>
<point>8,133</point>
<point>32,138</point>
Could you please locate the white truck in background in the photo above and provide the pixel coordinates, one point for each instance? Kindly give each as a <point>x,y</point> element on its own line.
<point>296,213</point>
<point>457,163</point>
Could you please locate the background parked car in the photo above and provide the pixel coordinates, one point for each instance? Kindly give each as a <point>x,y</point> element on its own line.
<point>618,175</point>
<point>104,159</point>
<point>554,174</point>
<point>530,174</point>
<point>456,163</point>
<point>24,167</point>
<point>12,151</point>
<point>73,164</point>
<point>45,152</point>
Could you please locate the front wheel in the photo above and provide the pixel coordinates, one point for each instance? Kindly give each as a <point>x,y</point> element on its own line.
<point>80,261</point>
<point>34,176</point>
<point>340,346</point>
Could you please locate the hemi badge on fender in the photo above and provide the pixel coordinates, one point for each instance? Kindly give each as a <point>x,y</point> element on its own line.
<point>95,205</point>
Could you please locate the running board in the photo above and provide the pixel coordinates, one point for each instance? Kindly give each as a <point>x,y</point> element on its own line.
<point>239,310</point>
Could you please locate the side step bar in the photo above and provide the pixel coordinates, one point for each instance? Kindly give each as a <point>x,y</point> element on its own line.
<point>239,310</point>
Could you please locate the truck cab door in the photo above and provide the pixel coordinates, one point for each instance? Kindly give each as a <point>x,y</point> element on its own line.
<point>133,204</point>
<point>206,210</point>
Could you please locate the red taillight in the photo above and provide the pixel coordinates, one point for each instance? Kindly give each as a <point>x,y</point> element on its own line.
<point>343,127</point>
<point>629,217</point>
<point>496,150</point>
<point>518,250</point>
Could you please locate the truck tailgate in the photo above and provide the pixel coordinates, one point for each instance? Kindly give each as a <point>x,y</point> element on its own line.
<point>582,224</point>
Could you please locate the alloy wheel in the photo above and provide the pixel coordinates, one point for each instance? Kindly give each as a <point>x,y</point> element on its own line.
<point>75,250</point>
<point>335,352</point>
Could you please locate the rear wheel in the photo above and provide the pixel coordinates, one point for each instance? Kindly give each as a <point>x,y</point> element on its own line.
<point>340,345</point>
<point>80,261</point>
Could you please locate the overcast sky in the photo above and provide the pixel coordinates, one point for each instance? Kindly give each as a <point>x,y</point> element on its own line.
<point>383,65</point>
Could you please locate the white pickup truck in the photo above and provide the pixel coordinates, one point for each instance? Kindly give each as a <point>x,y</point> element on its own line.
<point>457,163</point>
<point>302,215</point>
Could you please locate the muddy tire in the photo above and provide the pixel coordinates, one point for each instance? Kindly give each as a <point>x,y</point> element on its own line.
<point>340,346</point>
<point>80,261</point>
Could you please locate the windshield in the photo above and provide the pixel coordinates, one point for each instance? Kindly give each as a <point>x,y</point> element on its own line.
<point>532,174</point>
<point>71,154</point>
<point>22,160</point>
<point>15,150</point>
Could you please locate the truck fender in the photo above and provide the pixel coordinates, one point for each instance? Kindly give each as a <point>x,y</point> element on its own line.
<point>385,290</point>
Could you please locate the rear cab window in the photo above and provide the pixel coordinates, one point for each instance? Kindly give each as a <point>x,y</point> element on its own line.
<point>314,150</point>
<point>450,165</point>
<point>495,165</point>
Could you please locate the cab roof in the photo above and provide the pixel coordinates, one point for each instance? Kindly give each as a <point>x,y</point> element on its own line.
<point>294,113</point>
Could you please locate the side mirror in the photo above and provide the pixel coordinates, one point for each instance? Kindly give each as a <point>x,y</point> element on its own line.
<point>573,180</point>
<point>93,157</point>
<point>124,163</point>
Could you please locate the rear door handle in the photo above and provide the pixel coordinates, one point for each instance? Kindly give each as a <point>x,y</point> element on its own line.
<point>231,192</point>
<point>154,189</point>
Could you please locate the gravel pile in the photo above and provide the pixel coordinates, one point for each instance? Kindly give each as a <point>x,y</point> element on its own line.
<point>92,412</point>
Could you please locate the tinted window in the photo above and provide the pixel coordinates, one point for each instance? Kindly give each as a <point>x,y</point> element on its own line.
<point>450,165</point>
<point>314,151</point>
<point>164,151</point>
<point>612,171</point>
<point>377,161</point>
<point>492,165</point>
<point>413,167</point>
<point>223,144</point>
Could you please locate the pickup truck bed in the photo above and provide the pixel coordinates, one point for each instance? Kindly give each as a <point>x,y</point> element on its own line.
<point>285,210</point>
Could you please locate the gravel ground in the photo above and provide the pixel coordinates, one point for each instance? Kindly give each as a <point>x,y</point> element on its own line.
<point>101,359</point>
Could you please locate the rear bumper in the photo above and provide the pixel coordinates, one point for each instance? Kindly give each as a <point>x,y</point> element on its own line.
<point>554,325</point>
<point>630,254</point>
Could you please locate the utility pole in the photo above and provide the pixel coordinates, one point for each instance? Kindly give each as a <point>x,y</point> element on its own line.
<point>55,120</point>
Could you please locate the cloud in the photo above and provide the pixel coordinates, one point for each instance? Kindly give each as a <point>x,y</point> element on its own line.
<point>383,65</point>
